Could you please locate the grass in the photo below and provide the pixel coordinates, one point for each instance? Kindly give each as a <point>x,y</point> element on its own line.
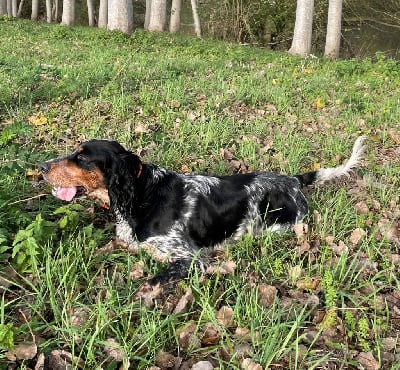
<point>179,102</point>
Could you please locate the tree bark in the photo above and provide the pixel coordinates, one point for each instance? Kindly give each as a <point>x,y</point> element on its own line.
<point>90,9</point>
<point>301,43</point>
<point>48,11</point>
<point>9,8</point>
<point>158,15</point>
<point>120,15</point>
<point>68,13</point>
<point>3,7</point>
<point>35,10</point>
<point>196,18</point>
<point>55,10</point>
<point>334,29</point>
<point>147,15</point>
<point>175,22</point>
<point>103,14</point>
<point>14,7</point>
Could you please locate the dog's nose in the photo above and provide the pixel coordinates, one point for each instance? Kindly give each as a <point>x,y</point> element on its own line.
<point>45,167</point>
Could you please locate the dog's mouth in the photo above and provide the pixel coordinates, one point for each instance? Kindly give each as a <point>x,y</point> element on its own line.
<point>68,193</point>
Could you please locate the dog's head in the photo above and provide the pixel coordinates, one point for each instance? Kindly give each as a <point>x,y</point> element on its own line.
<point>93,168</point>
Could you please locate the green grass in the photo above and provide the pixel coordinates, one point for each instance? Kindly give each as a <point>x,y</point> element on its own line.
<point>180,101</point>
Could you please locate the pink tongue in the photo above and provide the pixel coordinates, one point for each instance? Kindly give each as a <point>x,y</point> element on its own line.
<point>65,193</point>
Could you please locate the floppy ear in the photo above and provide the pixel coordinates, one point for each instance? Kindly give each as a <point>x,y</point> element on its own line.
<point>125,168</point>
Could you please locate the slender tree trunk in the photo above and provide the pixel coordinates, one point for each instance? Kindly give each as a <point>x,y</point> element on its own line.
<point>334,29</point>
<point>49,11</point>
<point>9,8</point>
<point>3,7</point>
<point>301,43</point>
<point>120,15</point>
<point>196,18</point>
<point>21,4</point>
<point>68,13</point>
<point>35,10</point>
<point>158,15</point>
<point>55,11</point>
<point>103,14</point>
<point>175,22</point>
<point>14,7</point>
<point>147,15</point>
<point>90,9</point>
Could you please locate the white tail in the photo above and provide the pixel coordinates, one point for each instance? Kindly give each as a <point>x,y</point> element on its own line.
<point>327,174</point>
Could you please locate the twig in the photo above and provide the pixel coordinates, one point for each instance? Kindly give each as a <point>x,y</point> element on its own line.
<point>27,323</point>
<point>28,199</point>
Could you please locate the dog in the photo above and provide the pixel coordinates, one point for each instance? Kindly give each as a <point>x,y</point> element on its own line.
<point>173,215</point>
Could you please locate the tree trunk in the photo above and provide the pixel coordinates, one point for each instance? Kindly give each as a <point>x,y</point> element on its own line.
<point>3,7</point>
<point>55,11</point>
<point>68,13</point>
<point>301,43</point>
<point>158,15</point>
<point>48,11</point>
<point>90,9</point>
<point>120,15</point>
<point>147,15</point>
<point>9,8</point>
<point>175,22</point>
<point>334,29</point>
<point>196,18</point>
<point>103,14</point>
<point>35,10</point>
<point>14,7</point>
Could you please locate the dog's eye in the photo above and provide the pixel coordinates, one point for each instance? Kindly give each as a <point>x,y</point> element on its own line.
<point>81,158</point>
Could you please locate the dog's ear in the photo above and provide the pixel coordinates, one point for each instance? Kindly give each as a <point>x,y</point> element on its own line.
<point>125,168</point>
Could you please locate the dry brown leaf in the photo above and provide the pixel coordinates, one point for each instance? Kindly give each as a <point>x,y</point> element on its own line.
<point>113,350</point>
<point>226,154</point>
<point>308,284</point>
<point>184,301</point>
<point>390,229</point>
<point>339,249</point>
<point>203,365</point>
<point>266,295</point>
<point>301,230</point>
<point>249,364</point>
<point>40,362</point>
<point>389,343</point>
<point>357,236</point>
<point>395,136</point>
<point>147,293</point>
<point>167,361</point>
<point>225,317</point>
<point>211,335</point>
<point>22,351</point>
<point>302,248</point>
<point>361,208</point>
<point>226,268</point>
<point>243,350</point>
<point>137,271</point>
<point>188,337</point>
<point>367,360</point>
<point>78,317</point>
<point>61,360</point>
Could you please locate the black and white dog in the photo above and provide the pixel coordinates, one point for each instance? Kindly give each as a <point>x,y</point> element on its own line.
<point>174,215</point>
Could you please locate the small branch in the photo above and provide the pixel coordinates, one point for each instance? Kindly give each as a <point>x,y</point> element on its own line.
<point>27,323</point>
<point>28,199</point>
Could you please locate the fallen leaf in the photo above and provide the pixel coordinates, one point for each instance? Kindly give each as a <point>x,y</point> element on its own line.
<point>308,284</point>
<point>367,360</point>
<point>266,295</point>
<point>357,236</point>
<point>188,337</point>
<point>167,361</point>
<point>226,268</point>
<point>184,301</point>
<point>243,350</point>
<point>78,317</point>
<point>226,154</point>
<point>249,364</point>
<point>203,365</point>
<point>147,293</point>
<point>211,335</point>
<point>225,317</point>
<point>40,362</point>
<point>395,136</point>
<point>389,343</point>
<point>361,208</point>
<point>390,229</point>
<point>301,230</point>
<point>339,249</point>
<point>113,350</point>
<point>60,360</point>
<point>37,119</point>
<point>137,270</point>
